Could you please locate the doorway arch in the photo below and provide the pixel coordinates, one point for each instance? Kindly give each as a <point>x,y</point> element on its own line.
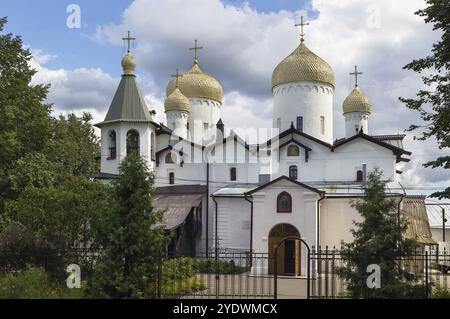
<point>289,253</point>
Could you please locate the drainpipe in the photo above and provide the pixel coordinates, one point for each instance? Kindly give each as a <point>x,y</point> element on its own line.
<point>207,210</point>
<point>216,248</point>
<point>322,197</point>
<point>399,203</point>
<point>251,226</point>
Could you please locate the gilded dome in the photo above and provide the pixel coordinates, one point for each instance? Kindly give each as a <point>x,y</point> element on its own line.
<point>128,64</point>
<point>197,84</point>
<point>357,102</point>
<point>176,101</point>
<point>302,65</point>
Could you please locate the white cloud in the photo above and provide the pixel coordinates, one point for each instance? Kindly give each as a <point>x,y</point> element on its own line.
<point>242,47</point>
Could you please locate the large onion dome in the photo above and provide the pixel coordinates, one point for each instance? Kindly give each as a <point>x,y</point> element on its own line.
<point>303,65</point>
<point>357,102</point>
<point>197,84</point>
<point>177,102</point>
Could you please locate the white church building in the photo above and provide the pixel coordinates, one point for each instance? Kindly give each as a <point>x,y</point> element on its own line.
<point>227,191</point>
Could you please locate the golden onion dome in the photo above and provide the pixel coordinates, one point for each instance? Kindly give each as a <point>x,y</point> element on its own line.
<point>197,84</point>
<point>357,102</point>
<point>128,64</point>
<point>303,65</point>
<point>177,102</point>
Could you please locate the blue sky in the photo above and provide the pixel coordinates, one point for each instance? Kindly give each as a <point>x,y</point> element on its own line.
<point>42,25</point>
<point>242,47</point>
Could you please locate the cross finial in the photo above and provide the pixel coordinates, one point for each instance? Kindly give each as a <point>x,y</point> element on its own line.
<point>177,76</point>
<point>196,48</point>
<point>356,73</point>
<point>302,24</point>
<point>129,39</point>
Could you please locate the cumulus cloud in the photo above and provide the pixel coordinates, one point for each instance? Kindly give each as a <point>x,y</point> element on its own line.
<point>243,46</point>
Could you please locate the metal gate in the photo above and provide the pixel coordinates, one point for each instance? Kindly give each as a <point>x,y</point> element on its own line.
<point>297,261</point>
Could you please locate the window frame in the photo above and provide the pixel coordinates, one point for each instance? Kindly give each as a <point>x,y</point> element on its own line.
<point>293,168</point>
<point>289,208</point>
<point>233,174</point>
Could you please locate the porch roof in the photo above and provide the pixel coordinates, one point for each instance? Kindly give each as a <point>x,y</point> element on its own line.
<point>177,208</point>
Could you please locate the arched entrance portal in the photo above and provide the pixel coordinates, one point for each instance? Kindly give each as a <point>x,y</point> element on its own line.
<point>289,253</point>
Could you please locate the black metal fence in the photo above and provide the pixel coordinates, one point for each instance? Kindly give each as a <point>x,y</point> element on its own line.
<point>241,275</point>
<point>225,276</point>
<point>428,268</point>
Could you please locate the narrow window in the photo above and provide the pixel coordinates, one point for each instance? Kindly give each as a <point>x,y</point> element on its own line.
<point>132,142</point>
<point>279,123</point>
<point>300,123</point>
<point>293,172</point>
<point>169,158</point>
<point>359,176</point>
<point>152,147</point>
<point>112,145</point>
<point>171,178</point>
<point>233,174</point>
<point>322,125</point>
<point>293,150</point>
<point>284,203</point>
<point>205,126</point>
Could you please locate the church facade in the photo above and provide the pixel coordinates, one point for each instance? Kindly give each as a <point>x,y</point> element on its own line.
<point>223,190</point>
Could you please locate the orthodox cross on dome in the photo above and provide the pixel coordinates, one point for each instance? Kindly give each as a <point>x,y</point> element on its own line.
<point>356,73</point>
<point>177,76</point>
<point>196,48</point>
<point>129,39</point>
<point>302,24</point>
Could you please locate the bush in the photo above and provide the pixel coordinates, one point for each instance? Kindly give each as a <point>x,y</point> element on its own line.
<point>440,292</point>
<point>34,283</point>
<point>210,266</point>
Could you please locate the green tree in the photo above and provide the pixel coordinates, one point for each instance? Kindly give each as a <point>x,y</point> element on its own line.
<point>433,102</point>
<point>130,233</point>
<point>25,125</point>
<point>379,240</point>
<point>74,145</point>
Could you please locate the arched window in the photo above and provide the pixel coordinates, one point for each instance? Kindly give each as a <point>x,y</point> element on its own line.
<point>171,178</point>
<point>132,142</point>
<point>112,145</point>
<point>293,172</point>
<point>359,176</point>
<point>284,203</point>
<point>169,158</point>
<point>293,150</point>
<point>152,147</point>
<point>233,174</point>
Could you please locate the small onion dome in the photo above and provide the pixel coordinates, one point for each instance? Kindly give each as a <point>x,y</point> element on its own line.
<point>128,64</point>
<point>177,102</point>
<point>197,84</point>
<point>357,102</point>
<point>303,65</point>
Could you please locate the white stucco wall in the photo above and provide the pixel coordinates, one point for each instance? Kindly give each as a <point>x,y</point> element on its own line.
<point>354,122</point>
<point>121,128</point>
<point>234,216</point>
<point>336,221</point>
<point>202,111</point>
<point>339,165</point>
<point>309,99</point>
<point>177,122</point>
<point>303,216</point>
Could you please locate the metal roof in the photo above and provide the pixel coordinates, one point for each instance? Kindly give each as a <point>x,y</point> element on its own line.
<point>128,103</point>
<point>177,208</point>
